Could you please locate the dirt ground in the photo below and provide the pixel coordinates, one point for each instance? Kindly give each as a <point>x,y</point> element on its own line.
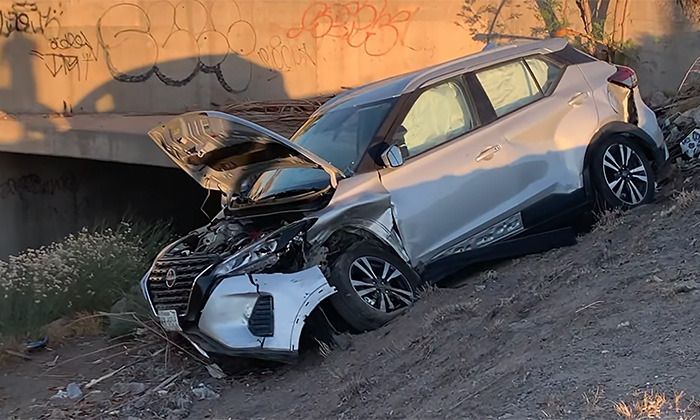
<point>576,333</point>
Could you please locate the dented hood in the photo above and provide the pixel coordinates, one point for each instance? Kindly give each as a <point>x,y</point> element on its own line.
<point>221,151</point>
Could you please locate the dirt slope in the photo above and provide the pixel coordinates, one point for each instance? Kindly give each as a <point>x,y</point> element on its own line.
<point>566,334</point>
<point>612,315</point>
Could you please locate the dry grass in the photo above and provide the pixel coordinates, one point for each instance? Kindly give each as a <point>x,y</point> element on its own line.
<point>686,198</point>
<point>353,388</point>
<point>592,399</point>
<point>443,312</point>
<point>609,219</point>
<point>655,405</point>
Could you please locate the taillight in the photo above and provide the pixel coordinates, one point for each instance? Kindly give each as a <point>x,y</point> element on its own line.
<point>624,76</point>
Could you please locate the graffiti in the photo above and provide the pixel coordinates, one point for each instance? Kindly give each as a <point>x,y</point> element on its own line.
<point>278,56</point>
<point>28,18</point>
<point>161,34</point>
<point>359,24</point>
<point>69,50</point>
<point>59,63</point>
<point>33,184</point>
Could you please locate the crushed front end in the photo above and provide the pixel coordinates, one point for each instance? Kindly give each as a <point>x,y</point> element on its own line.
<point>235,289</point>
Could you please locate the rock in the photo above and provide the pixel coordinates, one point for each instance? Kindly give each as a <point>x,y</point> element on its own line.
<point>96,396</point>
<point>177,414</point>
<point>685,286</point>
<point>58,414</point>
<point>342,341</point>
<point>624,324</point>
<point>183,403</point>
<point>215,371</point>
<point>133,302</point>
<point>203,392</point>
<point>73,391</point>
<point>133,388</point>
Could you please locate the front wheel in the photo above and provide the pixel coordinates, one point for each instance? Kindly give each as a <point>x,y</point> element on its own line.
<point>374,286</point>
<point>622,174</point>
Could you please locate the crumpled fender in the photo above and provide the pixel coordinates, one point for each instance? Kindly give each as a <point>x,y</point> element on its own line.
<point>295,296</point>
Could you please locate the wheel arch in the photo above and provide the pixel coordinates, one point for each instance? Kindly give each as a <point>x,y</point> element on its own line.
<point>373,231</point>
<point>612,129</point>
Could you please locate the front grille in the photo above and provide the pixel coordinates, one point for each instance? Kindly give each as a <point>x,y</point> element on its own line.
<point>262,319</point>
<point>176,295</point>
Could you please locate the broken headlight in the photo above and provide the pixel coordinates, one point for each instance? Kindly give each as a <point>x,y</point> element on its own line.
<point>261,254</point>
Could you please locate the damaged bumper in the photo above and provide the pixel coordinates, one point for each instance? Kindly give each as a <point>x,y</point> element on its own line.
<point>256,315</point>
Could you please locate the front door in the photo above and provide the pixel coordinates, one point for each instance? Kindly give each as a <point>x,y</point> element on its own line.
<point>454,177</point>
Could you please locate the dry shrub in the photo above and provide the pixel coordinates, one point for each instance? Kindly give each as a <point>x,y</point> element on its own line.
<point>609,219</point>
<point>685,199</point>
<point>443,312</point>
<point>86,272</point>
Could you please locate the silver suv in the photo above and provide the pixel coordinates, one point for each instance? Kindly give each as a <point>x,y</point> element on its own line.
<point>395,184</point>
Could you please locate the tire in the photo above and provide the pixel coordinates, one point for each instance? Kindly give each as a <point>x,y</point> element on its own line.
<point>370,312</point>
<point>622,180</point>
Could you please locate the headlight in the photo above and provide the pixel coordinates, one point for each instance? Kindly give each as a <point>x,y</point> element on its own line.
<point>259,254</point>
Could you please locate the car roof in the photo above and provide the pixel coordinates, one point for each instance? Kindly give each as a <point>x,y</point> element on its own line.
<point>409,82</point>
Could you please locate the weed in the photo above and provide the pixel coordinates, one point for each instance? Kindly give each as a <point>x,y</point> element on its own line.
<point>354,387</point>
<point>609,219</point>
<point>685,199</point>
<point>85,272</point>
<point>443,312</point>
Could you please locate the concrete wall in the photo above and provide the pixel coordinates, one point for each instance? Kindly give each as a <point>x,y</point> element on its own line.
<point>170,55</point>
<point>43,198</point>
<point>165,56</point>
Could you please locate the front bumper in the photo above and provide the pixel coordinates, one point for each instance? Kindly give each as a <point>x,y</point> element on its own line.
<point>257,315</point>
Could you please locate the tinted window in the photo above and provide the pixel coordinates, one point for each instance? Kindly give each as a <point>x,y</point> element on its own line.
<point>341,136</point>
<point>546,73</point>
<point>440,114</point>
<point>509,86</point>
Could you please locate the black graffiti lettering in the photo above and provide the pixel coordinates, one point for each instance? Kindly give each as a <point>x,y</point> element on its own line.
<point>283,57</point>
<point>33,184</point>
<point>27,18</point>
<point>59,63</point>
<point>239,35</point>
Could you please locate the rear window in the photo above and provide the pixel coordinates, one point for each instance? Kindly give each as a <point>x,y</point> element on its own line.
<point>516,84</point>
<point>509,87</point>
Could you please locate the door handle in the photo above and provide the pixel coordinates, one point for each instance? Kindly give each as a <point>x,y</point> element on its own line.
<point>488,152</point>
<point>578,98</point>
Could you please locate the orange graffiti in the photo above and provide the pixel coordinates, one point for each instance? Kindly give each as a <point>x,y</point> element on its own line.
<point>359,24</point>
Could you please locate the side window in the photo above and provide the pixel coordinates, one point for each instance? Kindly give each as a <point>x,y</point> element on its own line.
<point>439,115</point>
<point>546,73</point>
<point>509,86</point>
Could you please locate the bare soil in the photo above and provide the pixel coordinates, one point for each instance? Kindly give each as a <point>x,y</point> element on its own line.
<point>568,334</point>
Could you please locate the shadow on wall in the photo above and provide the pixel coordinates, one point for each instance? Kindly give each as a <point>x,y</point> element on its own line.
<point>199,79</point>
<point>43,198</point>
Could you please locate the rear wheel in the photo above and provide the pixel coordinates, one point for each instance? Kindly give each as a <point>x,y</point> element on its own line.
<point>622,174</point>
<point>374,286</point>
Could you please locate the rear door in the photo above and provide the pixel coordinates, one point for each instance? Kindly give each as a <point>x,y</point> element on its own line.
<point>545,117</point>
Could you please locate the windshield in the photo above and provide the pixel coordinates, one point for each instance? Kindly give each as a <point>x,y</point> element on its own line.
<point>340,136</point>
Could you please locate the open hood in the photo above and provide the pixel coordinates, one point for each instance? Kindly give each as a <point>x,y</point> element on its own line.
<point>221,151</point>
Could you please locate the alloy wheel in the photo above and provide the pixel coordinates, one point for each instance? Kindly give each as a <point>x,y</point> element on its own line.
<point>380,285</point>
<point>625,174</point>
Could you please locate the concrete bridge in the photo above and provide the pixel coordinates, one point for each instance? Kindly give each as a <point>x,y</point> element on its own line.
<point>82,81</point>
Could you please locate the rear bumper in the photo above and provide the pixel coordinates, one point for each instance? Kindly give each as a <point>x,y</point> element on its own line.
<point>259,315</point>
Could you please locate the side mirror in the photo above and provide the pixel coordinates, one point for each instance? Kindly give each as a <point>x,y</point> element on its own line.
<point>393,157</point>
